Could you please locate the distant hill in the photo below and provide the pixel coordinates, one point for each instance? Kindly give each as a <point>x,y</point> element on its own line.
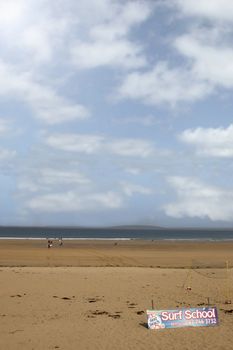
<point>136,227</point>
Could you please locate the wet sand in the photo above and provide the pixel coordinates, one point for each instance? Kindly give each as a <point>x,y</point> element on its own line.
<point>116,253</point>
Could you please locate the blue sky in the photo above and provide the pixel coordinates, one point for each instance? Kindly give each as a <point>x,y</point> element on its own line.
<point>116,112</point>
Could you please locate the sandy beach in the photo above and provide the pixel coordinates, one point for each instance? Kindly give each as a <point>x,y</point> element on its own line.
<point>94,295</point>
<point>122,253</point>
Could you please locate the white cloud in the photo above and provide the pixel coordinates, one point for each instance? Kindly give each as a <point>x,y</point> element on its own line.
<point>214,142</point>
<point>45,179</point>
<point>209,62</point>
<point>6,154</point>
<point>4,126</point>
<point>11,11</point>
<point>72,201</point>
<point>36,40</point>
<point>164,85</point>
<point>130,147</point>
<point>133,170</point>
<point>31,30</point>
<point>197,199</point>
<point>54,176</point>
<point>94,144</point>
<point>108,44</point>
<point>129,189</point>
<point>146,120</point>
<point>214,10</point>
<point>206,52</point>
<point>75,143</point>
<point>48,106</point>
<point>118,53</point>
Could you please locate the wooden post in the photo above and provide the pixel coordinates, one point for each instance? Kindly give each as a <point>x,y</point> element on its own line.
<point>228,301</point>
<point>152,304</point>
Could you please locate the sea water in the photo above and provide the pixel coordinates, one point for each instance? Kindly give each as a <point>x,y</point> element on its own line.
<point>118,233</point>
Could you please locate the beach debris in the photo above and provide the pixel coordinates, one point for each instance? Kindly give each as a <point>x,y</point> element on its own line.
<point>94,299</point>
<point>144,324</point>
<point>97,312</point>
<point>17,330</point>
<point>92,314</point>
<point>114,316</point>
<point>64,298</point>
<point>227,311</point>
<point>131,305</point>
<point>183,303</point>
<point>188,288</point>
<point>17,295</point>
<point>140,312</point>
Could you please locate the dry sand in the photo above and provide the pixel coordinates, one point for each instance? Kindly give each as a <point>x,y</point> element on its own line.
<point>103,307</point>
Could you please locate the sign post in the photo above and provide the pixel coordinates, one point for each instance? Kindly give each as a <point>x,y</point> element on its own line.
<point>190,317</point>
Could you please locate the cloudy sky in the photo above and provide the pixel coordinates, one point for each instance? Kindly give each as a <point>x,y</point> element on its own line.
<point>116,112</point>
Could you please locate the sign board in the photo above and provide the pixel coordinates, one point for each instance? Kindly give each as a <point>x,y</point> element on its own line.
<point>191,317</point>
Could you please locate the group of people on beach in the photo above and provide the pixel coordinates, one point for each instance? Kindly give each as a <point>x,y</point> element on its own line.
<point>50,242</point>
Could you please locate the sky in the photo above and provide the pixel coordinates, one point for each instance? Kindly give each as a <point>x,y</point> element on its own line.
<point>116,112</point>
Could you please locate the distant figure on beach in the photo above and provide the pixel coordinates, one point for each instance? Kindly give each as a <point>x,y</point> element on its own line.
<point>50,243</point>
<point>60,242</point>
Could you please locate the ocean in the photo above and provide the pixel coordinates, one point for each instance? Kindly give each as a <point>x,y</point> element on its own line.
<point>117,233</point>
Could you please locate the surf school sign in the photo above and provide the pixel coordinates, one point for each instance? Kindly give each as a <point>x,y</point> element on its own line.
<point>192,317</point>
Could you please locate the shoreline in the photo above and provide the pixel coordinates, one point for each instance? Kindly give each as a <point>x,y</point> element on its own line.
<point>205,239</point>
